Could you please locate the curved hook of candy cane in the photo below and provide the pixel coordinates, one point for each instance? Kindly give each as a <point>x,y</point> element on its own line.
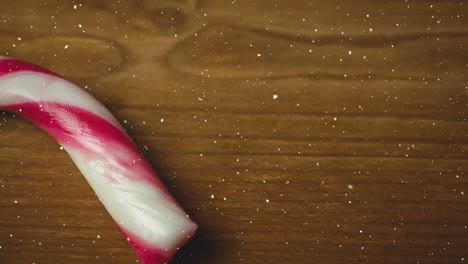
<point>154,224</point>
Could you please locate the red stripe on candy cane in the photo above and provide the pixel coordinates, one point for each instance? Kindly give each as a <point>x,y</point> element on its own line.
<point>82,130</point>
<point>11,65</point>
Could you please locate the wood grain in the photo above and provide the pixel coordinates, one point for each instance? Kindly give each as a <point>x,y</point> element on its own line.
<point>291,131</point>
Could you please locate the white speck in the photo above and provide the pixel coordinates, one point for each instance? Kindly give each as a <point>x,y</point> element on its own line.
<point>75,7</point>
<point>267,201</point>
<point>16,201</point>
<point>80,26</point>
<point>19,38</point>
<point>66,46</point>
<point>350,52</point>
<point>275,96</point>
<point>212,196</point>
<point>61,148</point>
<point>259,55</point>
<point>224,198</point>
<point>350,186</point>
<point>98,236</point>
<point>162,120</point>
<point>371,29</point>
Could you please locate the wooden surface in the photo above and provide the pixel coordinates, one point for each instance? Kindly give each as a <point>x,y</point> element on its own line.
<point>319,131</point>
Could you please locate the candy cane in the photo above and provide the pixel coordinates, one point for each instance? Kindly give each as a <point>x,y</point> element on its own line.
<point>154,224</point>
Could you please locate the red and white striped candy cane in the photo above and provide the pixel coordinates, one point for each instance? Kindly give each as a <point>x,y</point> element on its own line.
<point>154,224</point>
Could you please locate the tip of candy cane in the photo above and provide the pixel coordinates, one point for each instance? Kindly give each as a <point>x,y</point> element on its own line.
<point>149,254</point>
<point>152,256</point>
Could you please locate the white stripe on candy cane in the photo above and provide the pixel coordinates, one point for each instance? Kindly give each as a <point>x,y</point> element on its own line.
<point>131,205</point>
<point>27,86</point>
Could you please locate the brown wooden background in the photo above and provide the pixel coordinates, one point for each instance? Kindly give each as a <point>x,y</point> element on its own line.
<point>319,131</point>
